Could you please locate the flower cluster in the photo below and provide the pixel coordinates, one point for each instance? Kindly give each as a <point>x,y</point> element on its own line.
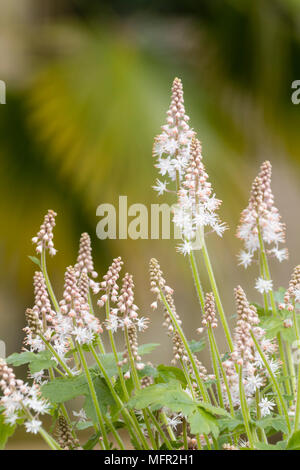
<point>261,217</point>
<point>109,284</point>
<point>44,238</point>
<point>163,407</point>
<point>20,400</point>
<point>244,354</point>
<point>209,314</point>
<point>158,286</point>
<point>65,437</point>
<point>42,305</point>
<point>197,204</point>
<point>85,264</point>
<point>172,146</point>
<point>75,318</point>
<point>292,295</point>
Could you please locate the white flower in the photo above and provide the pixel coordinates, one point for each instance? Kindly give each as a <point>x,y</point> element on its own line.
<point>253,383</point>
<point>266,406</point>
<point>258,360</point>
<point>80,414</point>
<point>39,406</point>
<point>263,285</point>
<point>33,426</point>
<point>83,335</point>
<point>281,255</point>
<point>95,286</point>
<point>297,295</point>
<point>245,258</point>
<point>174,421</point>
<point>160,187</point>
<point>185,248</point>
<point>165,166</point>
<point>11,419</point>
<point>219,228</point>
<point>274,365</point>
<point>112,323</point>
<point>142,323</point>
<point>268,346</point>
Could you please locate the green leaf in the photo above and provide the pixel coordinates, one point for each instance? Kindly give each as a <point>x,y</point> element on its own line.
<point>43,360</point>
<point>92,442</point>
<point>263,446</point>
<point>225,356</point>
<point>109,363</point>
<point>82,425</point>
<point>279,295</point>
<point>273,326</point>
<point>203,423</point>
<point>19,359</point>
<point>262,312</point>
<point>35,260</point>
<point>164,394</point>
<point>104,399</point>
<point>147,348</point>
<point>197,346</point>
<point>277,423</point>
<point>169,373</point>
<point>231,424</point>
<point>6,430</point>
<point>294,441</point>
<point>214,410</point>
<point>60,390</point>
<point>148,370</point>
<point>174,444</point>
<point>37,361</point>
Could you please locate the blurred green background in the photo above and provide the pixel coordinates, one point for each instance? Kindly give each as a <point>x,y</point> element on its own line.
<point>88,84</point>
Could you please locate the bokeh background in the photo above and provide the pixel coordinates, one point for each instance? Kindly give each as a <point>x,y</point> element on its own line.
<point>88,84</point>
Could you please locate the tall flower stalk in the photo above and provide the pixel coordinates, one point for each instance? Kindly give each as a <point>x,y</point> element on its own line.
<point>247,396</point>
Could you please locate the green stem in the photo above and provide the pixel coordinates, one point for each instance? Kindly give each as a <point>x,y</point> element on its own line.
<point>261,432</point>
<point>188,379</point>
<point>47,280</point>
<point>49,440</point>
<point>217,296</point>
<point>169,429</point>
<point>187,348</point>
<point>274,381</point>
<point>273,306</point>
<point>94,397</point>
<point>244,407</point>
<point>99,341</point>
<point>215,366</point>
<point>223,375</point>
<point>197,279</point>
<point>297,411</point>
<point>291,367</point>
<point>114,350</point>
<point>131,423</point>
<point>115,433</point>
<point>184,433</point>
<point>146,411</point>
<point>138,386</point>
<point>266,304</point>
<point>59,360</point>
<point>53,298</point>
